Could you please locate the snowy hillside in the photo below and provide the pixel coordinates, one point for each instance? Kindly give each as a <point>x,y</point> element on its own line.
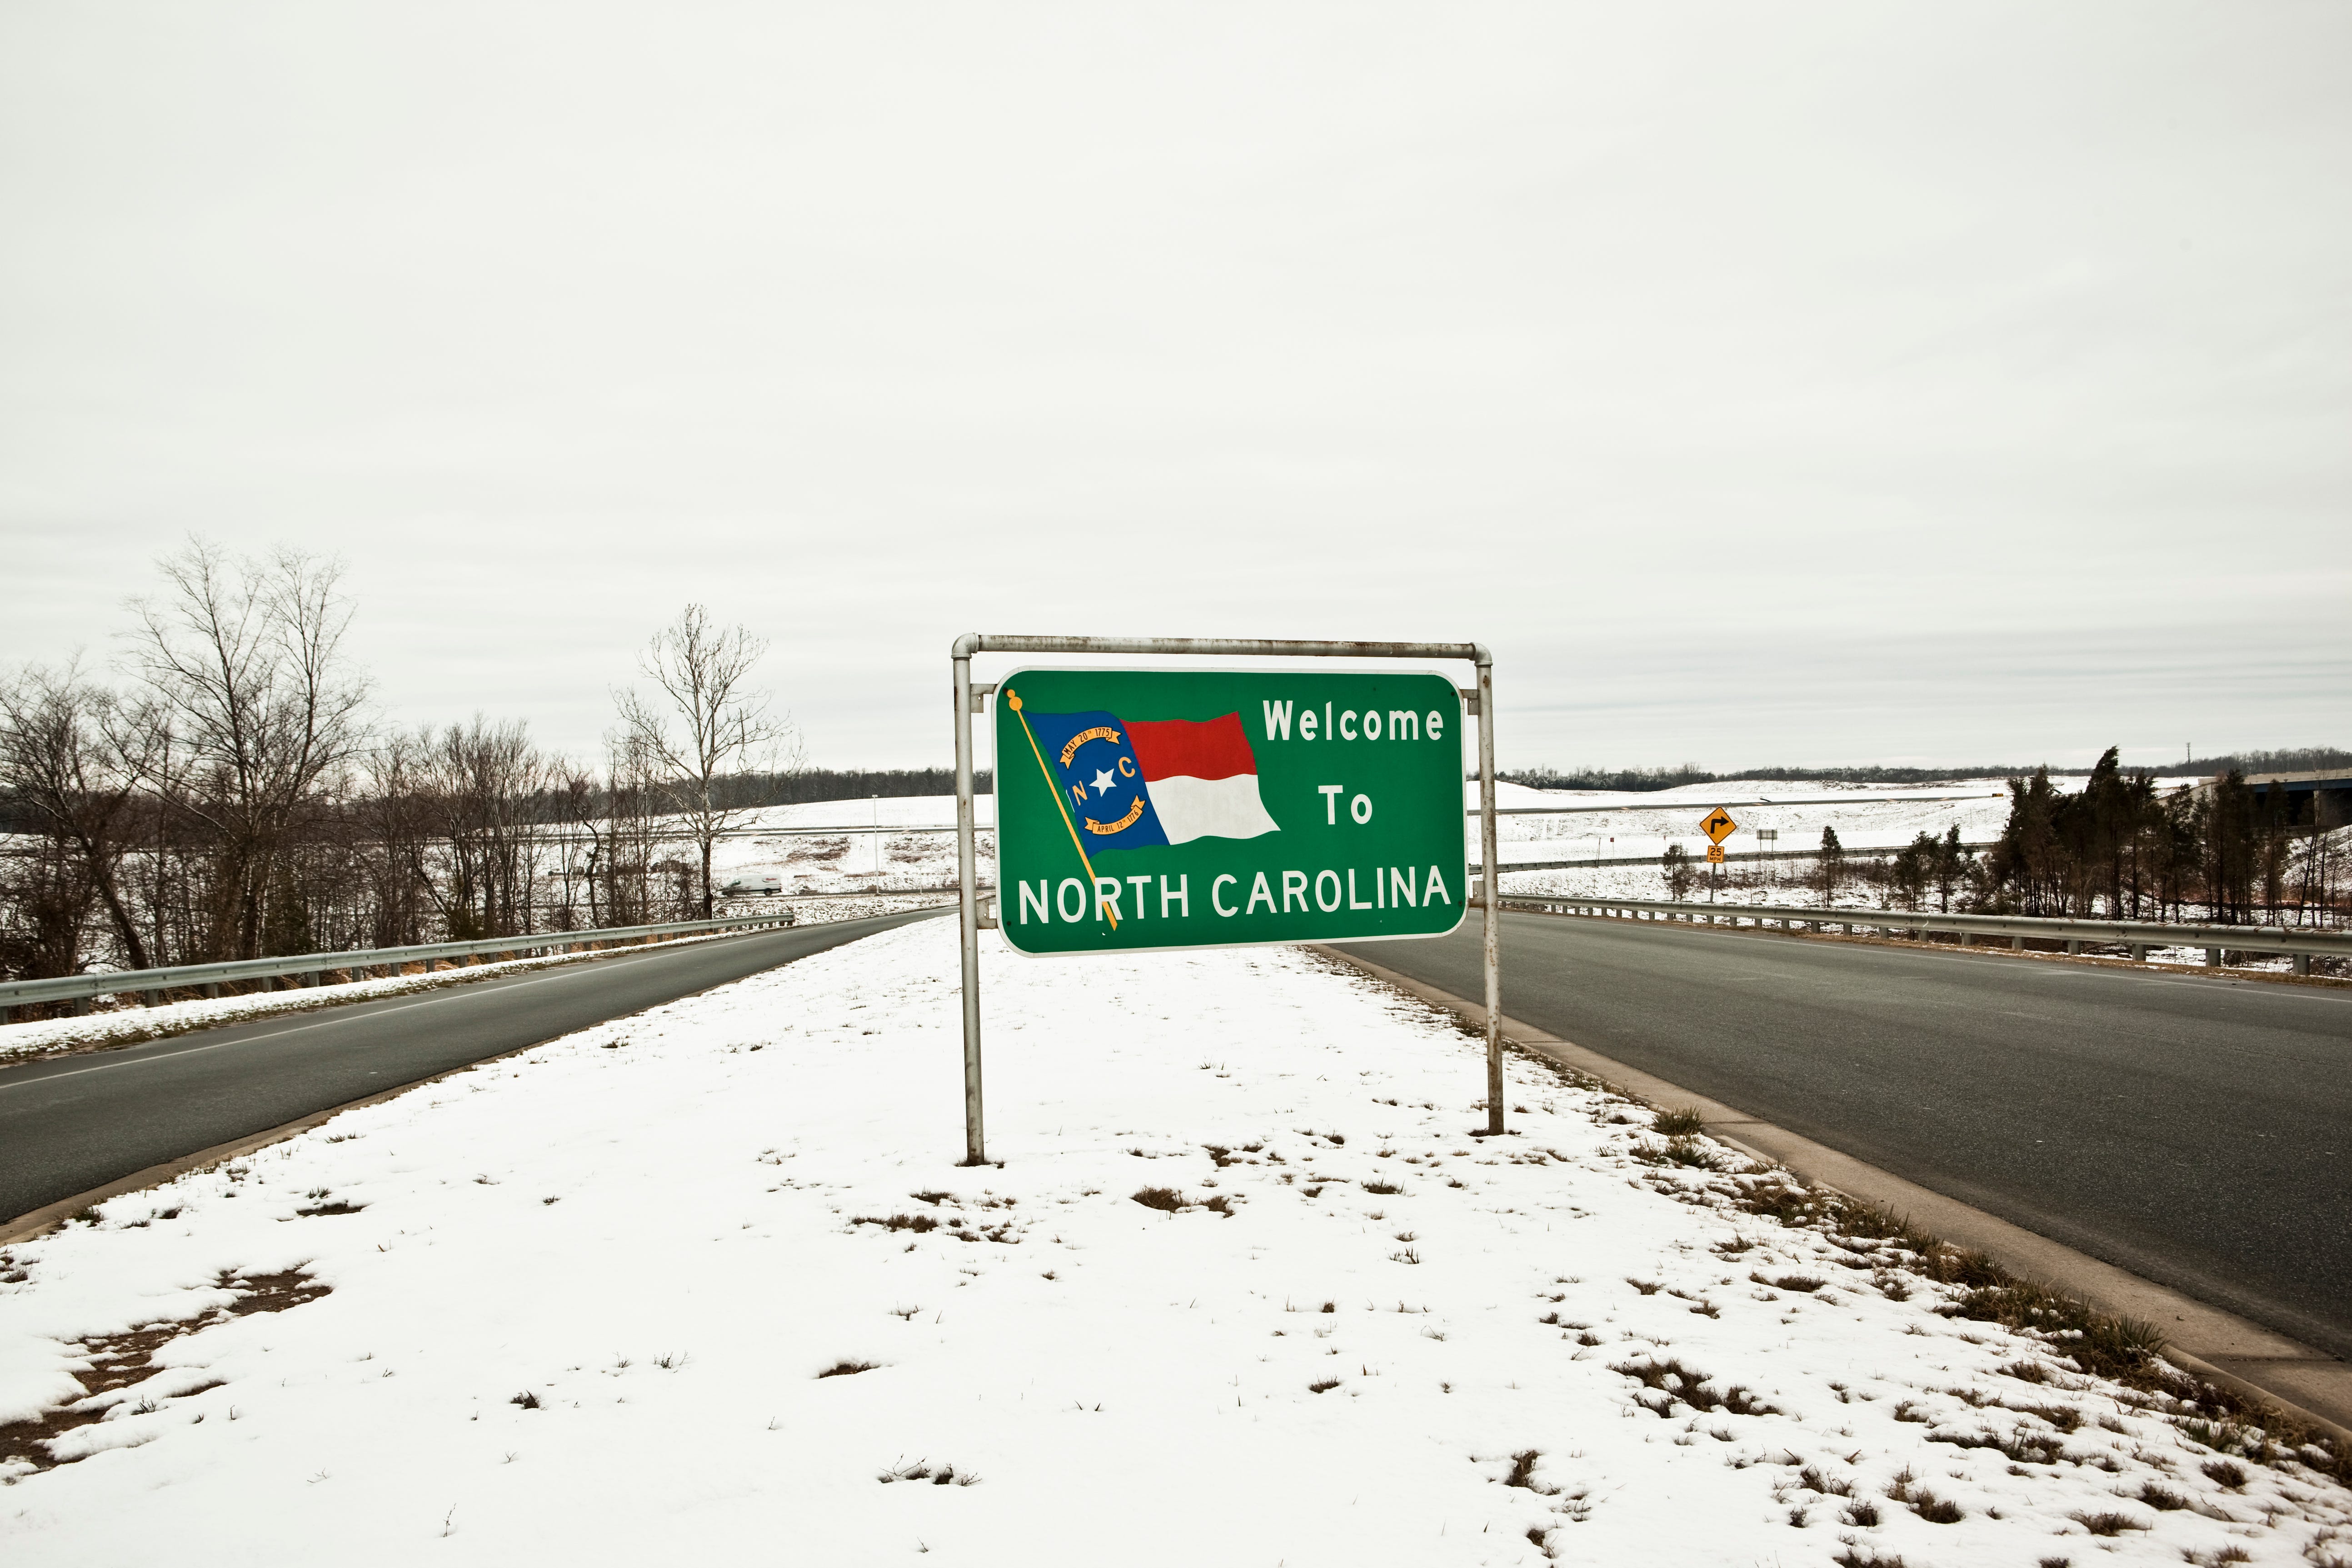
<point>1614,826</point>
<point>864,854</point>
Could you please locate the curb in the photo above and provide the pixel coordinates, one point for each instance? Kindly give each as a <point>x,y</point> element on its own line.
<point>2212,1343</point>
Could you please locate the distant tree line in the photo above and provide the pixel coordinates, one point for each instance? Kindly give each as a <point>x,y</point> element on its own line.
<point>2293,760</point>
<point>2296,760</point>
<point>2118,848</point>
<point>804,785</point>
<point>1630,779</point>
<point>228,792</point>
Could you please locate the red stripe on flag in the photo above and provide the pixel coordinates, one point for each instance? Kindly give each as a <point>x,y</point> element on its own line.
<point>1181,748</point>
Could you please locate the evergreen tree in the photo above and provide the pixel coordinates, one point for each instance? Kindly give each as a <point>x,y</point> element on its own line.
<point>1679,873</point>
<point>2229,849</point>
<point>1913,867</point>
<point>1953,864</point>
<point>2022,871</point>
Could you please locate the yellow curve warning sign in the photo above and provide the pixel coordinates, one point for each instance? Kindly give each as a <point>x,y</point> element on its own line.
<point>1718,825</point>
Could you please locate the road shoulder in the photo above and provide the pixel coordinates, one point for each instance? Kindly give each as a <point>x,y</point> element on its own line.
<point>2204,1340</point>
<point>49,1216</point>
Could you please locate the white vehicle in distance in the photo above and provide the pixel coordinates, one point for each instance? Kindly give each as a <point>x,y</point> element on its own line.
<point>753,884</point>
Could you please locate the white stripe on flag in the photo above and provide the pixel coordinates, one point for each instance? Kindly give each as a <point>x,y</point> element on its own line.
<point>1193,808</point>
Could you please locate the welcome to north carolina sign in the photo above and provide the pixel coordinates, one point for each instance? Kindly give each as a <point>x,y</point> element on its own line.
<point>1142,809</point>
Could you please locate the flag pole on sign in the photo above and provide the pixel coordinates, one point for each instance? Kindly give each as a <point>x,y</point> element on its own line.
<point>1012,698</point>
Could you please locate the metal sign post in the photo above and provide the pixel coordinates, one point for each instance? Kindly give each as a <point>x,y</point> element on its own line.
<point>1163,808</point>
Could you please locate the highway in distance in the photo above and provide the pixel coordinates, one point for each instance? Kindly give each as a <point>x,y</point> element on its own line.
<point>72,1123</point>
<point>2194,1129</point>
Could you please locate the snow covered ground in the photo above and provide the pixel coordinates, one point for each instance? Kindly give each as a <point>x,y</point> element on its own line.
<point>1868,820</point>
<point>1776,884</point>
<point>708,1281</point>
<point>856,859</point>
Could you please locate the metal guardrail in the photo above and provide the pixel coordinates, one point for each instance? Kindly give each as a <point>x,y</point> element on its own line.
<point>2134,936</point>
<point>838,830</point>
<point>1661,807</point>
<point>315,966</point>
<point>1853,852</point>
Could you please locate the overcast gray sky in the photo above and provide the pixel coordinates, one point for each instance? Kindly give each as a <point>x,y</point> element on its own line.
<point>1803,383</point>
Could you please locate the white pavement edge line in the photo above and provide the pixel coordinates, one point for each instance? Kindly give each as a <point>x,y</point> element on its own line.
<point>347,993</point>
<point>342,993</point>
<point>278,1004</point>
<point>2255,1362</point>
<point>24,1228</point>
<point>406,1003</point>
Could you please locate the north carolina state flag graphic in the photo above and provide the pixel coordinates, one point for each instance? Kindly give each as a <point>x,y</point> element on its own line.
<point>1166,781</point>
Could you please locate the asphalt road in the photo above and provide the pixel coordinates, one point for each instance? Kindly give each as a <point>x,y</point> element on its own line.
<point>2196,1131</point>
<point>72,1123</point>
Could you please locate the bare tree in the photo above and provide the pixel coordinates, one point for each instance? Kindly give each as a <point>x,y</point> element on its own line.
<point>68,755</point>
<point>2320,860</point>
<point>625,834</point>
<point>577,806</point>
<point>707,725</point>
<point>393,823</point>
<point>246,660</point>
<point>488,782</point>
<point>45,906</point>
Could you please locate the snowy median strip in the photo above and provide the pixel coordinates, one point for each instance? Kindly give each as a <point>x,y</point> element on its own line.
<point>1246,1288</point>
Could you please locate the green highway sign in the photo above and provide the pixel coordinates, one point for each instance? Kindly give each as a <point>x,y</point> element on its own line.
<point>1140,809</point>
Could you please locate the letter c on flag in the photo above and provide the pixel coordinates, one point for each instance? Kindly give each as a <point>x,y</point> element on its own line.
<point>1218,903</point>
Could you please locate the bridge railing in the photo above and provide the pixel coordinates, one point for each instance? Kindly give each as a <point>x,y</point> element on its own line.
<point>2136,937</point>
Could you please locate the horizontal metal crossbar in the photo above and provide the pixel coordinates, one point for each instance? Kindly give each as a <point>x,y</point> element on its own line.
<point>2139,936</point>
<point>972,643</point>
